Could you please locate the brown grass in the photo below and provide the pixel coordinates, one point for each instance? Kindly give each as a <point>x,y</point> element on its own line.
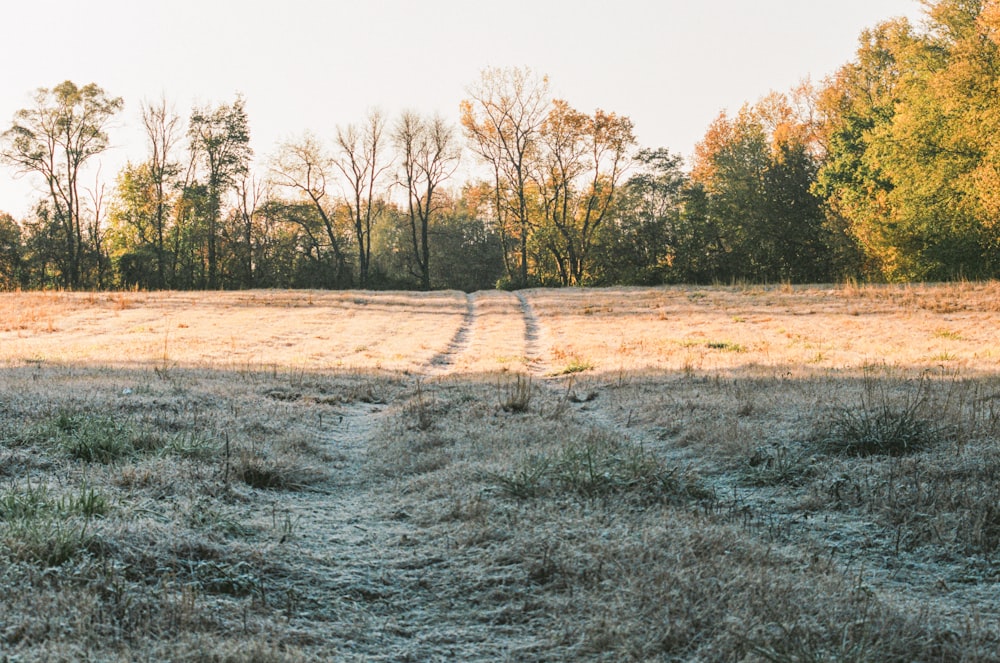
<point>754,474</point>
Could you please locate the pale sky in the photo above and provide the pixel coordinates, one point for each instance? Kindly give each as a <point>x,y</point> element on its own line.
<point>670,65</point>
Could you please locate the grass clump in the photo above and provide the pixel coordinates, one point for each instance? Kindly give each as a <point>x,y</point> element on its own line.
<point>31,502</point>
<point>725,346</point>
<point>952,505</point>
<point>92,438</point>
<point>599,466</point>
<point>881,425</point>
<point>46,541</point>
<point>41,527</point>
<point>576,366</point>
<point>271,469</point>
<point>776,465</point>
<point>516,396</point>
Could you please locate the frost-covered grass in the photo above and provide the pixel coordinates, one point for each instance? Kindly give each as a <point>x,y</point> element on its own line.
<point>674,501</point>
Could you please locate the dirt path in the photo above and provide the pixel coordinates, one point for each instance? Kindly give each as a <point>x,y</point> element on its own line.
<point>339,537</point>
<point>499,333</point>
<point>366,571</point>
<point>386,592</point>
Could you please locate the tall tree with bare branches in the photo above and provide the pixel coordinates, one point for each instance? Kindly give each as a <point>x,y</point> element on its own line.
<point>502,119</point>
<point>361,161</point>
<point>429,155</point>
<point>163,133</point>
<point>303,167</point>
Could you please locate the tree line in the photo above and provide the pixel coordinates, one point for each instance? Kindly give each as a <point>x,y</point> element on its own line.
<point>887,170</point>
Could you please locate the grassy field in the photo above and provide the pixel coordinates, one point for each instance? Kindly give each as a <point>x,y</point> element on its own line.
<point>712,474</point>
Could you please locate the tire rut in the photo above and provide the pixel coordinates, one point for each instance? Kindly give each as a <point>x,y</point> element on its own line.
<point>445,360</point>
<point>532,337</point>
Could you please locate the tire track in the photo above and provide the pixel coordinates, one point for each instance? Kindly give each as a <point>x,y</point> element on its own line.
<point>533,354</point>
<point>445,360</point>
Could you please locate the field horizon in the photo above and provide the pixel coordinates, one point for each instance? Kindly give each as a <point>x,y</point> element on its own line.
<point>750,473</point>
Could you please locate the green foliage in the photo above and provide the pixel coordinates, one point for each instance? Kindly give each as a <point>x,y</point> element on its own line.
<point>220,139</point>
<point>54,139</point>
<point>911,164</point>
<point>93,438</point>
<point>29,502</point>
<point>40,526</point>
<point>11,253</point>
<point>575,365</point>
<point>757,171</point>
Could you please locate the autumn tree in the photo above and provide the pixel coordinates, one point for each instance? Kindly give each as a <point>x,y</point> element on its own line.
<point>939,149</point>
<point>220,142</point>
<point>361,160</point>
<point>502,120</point>
<point>56,137</point>
<point>579,164</point>
<point>757,171</point>
<point>913,167</point>
<point>428,156</point>
<point>856,104</point>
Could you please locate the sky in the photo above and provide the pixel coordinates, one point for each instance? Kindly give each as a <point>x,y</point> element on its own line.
<point>312,65</point>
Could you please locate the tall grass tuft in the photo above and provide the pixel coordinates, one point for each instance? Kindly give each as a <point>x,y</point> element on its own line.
<point>880,424</point>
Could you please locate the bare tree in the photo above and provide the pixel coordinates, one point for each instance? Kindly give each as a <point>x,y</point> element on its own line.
<point>163,133</point>
<point>304,167</point>
<point>95,228</point>
<point>359,160</point>
<point>251,194</point>
<point>429,156</point>
<point>502,120</point>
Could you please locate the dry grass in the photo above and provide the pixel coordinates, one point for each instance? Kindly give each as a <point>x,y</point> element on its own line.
<point>259,330</point>
<point>719,474</point>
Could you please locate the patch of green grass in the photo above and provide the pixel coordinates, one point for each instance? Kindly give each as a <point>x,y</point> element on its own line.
<point>35,501</point>
<point>725,346</point>
<point>948,334</point>
<point>84,436</point>
<point>46,541</point>
<point>575,366</point>
<point>41,527</point>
